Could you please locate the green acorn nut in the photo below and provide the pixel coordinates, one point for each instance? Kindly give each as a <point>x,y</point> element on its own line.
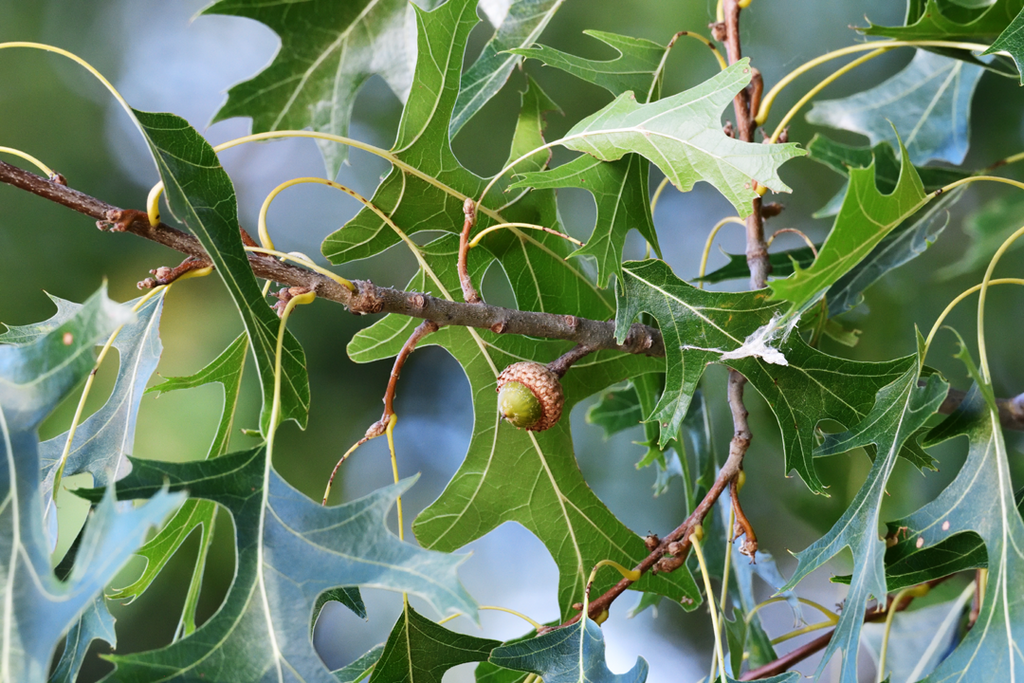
<point>530,396</point>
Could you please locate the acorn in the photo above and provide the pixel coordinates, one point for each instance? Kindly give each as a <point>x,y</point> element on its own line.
<point>530,396</point>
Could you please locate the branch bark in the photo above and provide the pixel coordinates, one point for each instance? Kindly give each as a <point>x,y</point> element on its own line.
<point>594,334</point>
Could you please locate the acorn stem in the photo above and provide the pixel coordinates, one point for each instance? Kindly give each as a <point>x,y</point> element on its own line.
<point>561,365</point>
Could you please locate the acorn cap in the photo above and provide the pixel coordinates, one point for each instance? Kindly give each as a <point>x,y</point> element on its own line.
<point>530,396</point>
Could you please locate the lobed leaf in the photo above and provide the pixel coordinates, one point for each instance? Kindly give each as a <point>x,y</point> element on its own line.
<point>40,607</point>
<point>637,66</point>
<point>980,500</point>
<point>427,186</point>
<point>200,195</point>
<point>864,220</point>
<point>104,441</point>
<point>290,551</point>
<point>703,327</point>
<point>427,189</point>
<point>841,158</point>
<point>937,20</point>
<point>620,188</point>
<point>329,48</point>
<point>420,651</point>
<point>621,192</point>
<point>225,370</point>
<point>928,102</point>
<point>682,135</point>
<point>524,22</point>
<point>908,240</point>
<point>516,475</point>
<point>902,408</point>
<point>567,655</point>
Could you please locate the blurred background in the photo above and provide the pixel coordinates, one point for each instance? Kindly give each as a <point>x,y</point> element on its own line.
<point>164,58</point>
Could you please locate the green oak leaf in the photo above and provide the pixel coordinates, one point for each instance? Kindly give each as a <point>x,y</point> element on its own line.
<point>621,192</point>
<point>907,565</point>
<point>290,550</point>
<point>103,441</point>
<point>683,136</point>
<point>96,623</point>
<point>35,376</point>
<point>637,66</point>
<point>1012,40</point>
<point>329,48</point>
<point>908,240</point>
<point>19,335</point>
<point>937,20</point>
<point>225,370</point>
<point>841,158</point>
<point>620,188</point>
<point>420,651</point>
<point>517,475</point>
<point>980,500</point>
<point>574,654</point>
<point>902,408</point>
<point>535,262</point>
<point>418,191</point>
<point>523,23</point>
<point>864,220</point>
<point>616,411</point>
<point>427,186</point>
<point>987,227</point>
<point>928,102</point>
<point>700,327</point>
<point>361,668</point>
<point>200,195</point>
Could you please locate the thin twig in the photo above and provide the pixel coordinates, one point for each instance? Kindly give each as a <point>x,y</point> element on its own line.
<point>370,298</point>
<point>743,526</point>
<point>469,293</point>
<point>165,276</point>
<point>381,425</point>
<point>788,660</point>
<point>561,365</point>
<point>422,330</point>
<point>677,543</point>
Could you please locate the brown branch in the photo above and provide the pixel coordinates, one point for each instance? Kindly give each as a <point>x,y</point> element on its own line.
<point>381,425</point>
<point>677,543</point>
<point>370,298</point>
<point>561,365</point>
<point>788,660</point>
<point>421,331</point>
<point>741,103</point>
<point>743,525</point>
<point>469,292</point>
